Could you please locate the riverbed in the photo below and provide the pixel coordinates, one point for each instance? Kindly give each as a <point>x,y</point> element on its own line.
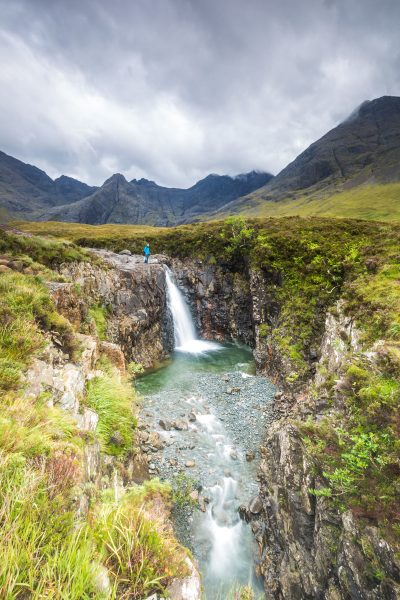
<point>211,411</point>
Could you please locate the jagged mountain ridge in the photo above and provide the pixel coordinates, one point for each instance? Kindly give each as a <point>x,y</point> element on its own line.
<point>363,149</point>
<point>144,202</point>
<point>27,192</point>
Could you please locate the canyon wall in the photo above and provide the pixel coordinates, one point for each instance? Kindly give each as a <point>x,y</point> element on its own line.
<point>308,548</point>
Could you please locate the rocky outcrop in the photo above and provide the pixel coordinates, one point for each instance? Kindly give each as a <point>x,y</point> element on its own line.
<point>308,549</point>
<point>132,296</point>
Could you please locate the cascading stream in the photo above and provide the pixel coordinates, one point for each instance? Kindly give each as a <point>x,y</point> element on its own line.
<point>212,410</point>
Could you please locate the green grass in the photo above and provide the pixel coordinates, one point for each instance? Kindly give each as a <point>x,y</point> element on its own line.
<point>113,398</point>
<point>370,202</point>
<point>139,548</point>
<point>47,553</point>
<point>99,314</point>
<point>358,447</point>
<point>43,555</point>
<point>42,250</point>
<point>26,314</point>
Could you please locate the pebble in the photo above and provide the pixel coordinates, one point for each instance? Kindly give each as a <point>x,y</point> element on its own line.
<point>250,455</point>
<point>194,495</point>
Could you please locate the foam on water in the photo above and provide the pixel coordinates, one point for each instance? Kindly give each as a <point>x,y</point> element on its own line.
<point>198,346</point>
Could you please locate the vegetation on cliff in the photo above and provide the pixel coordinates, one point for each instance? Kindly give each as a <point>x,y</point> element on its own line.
<point>47,549</point>
<point>308,264</point>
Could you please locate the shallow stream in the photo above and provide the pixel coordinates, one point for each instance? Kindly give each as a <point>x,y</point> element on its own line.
<point>211,411</point>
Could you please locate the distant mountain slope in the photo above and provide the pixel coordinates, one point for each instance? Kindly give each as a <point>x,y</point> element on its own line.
<point>25,188</point>
<point>145,202</point>
<point>364,149</point>
<point>362,152</point>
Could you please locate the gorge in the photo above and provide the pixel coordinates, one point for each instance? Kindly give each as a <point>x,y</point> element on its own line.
<point>307,335</point>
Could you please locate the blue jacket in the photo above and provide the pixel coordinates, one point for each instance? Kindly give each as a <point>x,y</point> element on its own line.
<point>146,250</point>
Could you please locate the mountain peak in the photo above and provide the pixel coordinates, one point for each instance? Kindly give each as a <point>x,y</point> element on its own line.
<point>117,178</point>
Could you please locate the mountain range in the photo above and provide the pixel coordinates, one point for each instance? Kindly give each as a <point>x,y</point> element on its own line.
<point>28,193</point>
<point>364,150</point>
<point>361,151</point>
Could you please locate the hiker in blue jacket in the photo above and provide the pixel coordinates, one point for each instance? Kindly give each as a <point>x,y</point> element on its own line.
<point>146,252</point>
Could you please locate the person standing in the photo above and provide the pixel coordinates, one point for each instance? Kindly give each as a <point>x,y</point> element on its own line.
<point>146,252</point>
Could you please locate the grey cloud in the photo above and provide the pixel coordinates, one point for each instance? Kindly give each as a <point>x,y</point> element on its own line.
<point>174,89</point>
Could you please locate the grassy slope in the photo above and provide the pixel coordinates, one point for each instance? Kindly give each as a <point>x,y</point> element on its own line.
<point>47,552</point>
<point>371,202</point>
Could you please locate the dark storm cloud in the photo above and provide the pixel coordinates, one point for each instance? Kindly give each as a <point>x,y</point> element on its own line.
<point>174,89</point>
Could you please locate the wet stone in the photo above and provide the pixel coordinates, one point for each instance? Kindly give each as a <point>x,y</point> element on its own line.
<point>255,505</point>
<point>250,455</point>
<point>180,425</point>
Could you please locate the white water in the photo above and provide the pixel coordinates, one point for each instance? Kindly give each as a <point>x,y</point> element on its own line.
<point>229,556</point>
<point>186,339</point>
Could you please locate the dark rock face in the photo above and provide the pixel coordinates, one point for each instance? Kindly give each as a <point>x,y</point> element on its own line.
<point>364,149</point>
<point>308,548</point>
<point>145,202</point>
<point>135,297</point>
<point>220,300</point>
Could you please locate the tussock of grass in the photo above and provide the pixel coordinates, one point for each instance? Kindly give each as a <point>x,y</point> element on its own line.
<point>42,250</point>
<point>43,555</point>
<point>113,398</point>
<point>26,313</point>
<point>141,552</point>
<point>28,426</point>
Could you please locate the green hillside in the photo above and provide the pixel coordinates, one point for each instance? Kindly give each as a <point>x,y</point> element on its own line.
<point>372,202</point>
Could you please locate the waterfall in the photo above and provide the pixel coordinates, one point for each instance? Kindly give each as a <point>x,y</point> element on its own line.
<point>186,339</point>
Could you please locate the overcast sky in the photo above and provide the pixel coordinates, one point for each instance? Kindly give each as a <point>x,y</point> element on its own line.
<point>172,90</point>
